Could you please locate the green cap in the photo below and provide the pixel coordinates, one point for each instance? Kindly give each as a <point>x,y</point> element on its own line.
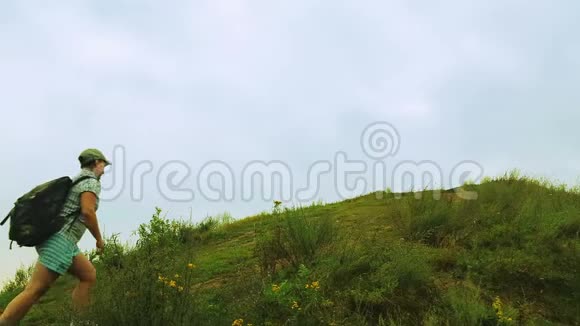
<point>91,154</point>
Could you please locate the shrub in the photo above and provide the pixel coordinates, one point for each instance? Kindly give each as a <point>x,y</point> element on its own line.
<point>295,239</point>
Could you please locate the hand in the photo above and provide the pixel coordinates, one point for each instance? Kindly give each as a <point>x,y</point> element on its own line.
<point>100,246</point>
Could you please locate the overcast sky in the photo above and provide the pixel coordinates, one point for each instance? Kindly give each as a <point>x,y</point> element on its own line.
<point>190,83</point>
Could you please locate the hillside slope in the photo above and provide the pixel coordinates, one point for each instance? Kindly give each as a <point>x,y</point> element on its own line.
<point>508,257</point>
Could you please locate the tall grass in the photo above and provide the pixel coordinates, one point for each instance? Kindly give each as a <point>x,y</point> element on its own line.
<point>15,285</point>
<point>153,282</point>
<point>296,238</point>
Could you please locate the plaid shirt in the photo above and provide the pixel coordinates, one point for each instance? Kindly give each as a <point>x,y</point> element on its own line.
<point>73,204</point>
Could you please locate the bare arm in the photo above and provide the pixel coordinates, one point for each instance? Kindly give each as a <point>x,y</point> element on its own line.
<point>88,203</point>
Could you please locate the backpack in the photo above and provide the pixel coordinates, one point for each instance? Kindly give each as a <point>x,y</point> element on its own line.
<point>36,214</point>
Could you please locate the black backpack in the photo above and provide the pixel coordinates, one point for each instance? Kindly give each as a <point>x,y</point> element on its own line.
<point>36,215</point>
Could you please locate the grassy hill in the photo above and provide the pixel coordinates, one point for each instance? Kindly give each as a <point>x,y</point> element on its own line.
<point>508,257</point>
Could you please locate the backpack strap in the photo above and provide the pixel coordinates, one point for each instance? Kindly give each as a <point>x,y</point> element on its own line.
<point>84,177</point>
<point>7,217</point>
<point>77,212</point>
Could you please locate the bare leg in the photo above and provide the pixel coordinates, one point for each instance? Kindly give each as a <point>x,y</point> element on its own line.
<point>84,270</point>
<point>41,280</point>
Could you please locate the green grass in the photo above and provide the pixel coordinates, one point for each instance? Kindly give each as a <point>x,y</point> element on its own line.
<point>378,259</point>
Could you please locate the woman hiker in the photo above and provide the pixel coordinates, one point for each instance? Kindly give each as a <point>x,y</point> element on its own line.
<point>60,253</point>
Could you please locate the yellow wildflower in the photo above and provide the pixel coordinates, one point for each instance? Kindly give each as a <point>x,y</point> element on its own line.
<point>180,289</point>
<point>190,266</point>
<point>295,305</point>
<point>238,322</point>
<point>497,304</point>
<point>315,285</point>
<point>172,284</point>
<point>275,287</point>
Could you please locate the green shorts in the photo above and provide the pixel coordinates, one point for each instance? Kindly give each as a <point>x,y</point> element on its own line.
<point>57,253</point>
